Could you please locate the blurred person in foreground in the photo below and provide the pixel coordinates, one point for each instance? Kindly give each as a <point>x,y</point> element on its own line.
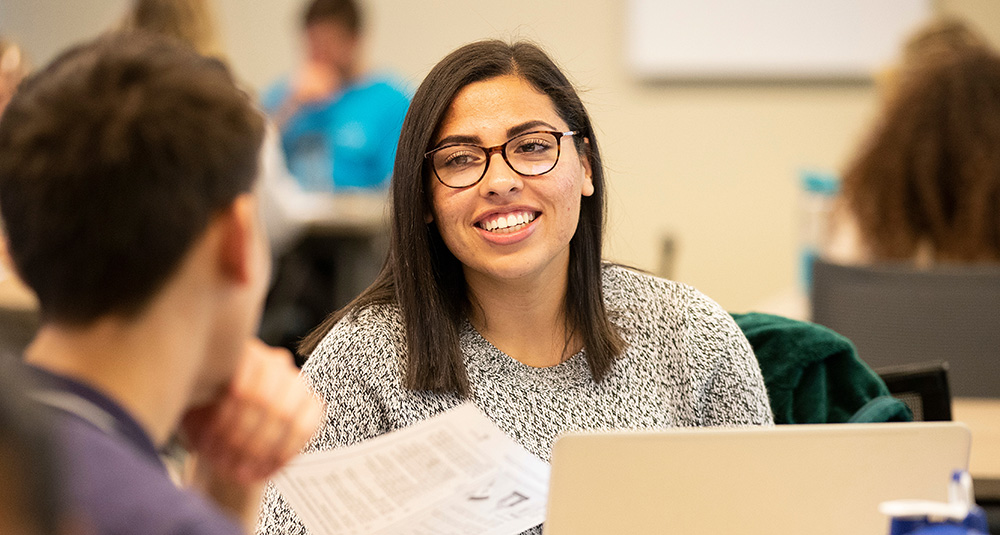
<point>127,171</point>
<point>924,186</point>
<point>339,124</point>
<point>31,501</point>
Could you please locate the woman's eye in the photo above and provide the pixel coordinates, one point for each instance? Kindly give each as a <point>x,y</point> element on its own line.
<point>461,159</point>
<point>526,146</point>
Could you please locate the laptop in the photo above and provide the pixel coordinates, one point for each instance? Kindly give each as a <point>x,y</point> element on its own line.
<point>825,479</point>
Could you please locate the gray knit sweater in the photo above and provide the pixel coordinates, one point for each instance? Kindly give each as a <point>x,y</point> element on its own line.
<point>687,364</point>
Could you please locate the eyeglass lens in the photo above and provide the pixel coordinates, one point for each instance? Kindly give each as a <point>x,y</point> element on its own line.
<point>529,154</point>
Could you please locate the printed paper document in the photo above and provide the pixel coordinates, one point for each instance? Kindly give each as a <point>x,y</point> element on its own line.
<point>455,473</point>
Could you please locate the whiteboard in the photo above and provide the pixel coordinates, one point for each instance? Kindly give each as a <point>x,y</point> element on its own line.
<point>767,39</point>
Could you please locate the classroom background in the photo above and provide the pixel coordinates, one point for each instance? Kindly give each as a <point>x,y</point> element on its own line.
<point>711,166</point>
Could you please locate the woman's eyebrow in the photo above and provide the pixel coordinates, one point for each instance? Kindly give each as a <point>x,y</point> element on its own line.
<point>511,132</point>
<point>458,138</point>
<point>526,126</point>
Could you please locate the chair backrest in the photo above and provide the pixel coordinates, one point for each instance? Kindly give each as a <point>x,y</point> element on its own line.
<point>922,386</point>
<point>903,315</point>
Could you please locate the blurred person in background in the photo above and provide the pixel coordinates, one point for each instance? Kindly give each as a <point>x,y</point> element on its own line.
<point>924,186</point>
<point>939,37</point>
<point>14,67</point>
<point>190,21</point>
<point>339,124</point>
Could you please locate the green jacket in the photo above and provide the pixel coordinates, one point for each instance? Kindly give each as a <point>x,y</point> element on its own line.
<point>814,375</point>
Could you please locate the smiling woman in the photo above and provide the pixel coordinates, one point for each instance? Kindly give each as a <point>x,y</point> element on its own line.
<point>494,291</point>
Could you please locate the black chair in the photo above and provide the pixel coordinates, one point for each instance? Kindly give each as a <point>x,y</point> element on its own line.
<point>898,315</point>
<point>922,386</point>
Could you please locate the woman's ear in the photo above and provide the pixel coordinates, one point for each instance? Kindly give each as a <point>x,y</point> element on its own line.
<point>588,175</point>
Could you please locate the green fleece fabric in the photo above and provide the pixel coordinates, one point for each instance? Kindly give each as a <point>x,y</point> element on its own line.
<point>814,375</point>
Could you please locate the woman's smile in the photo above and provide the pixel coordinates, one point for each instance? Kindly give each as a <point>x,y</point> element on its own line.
<point>505,224</point>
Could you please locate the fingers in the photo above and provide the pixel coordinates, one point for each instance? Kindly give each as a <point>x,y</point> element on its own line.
<point>279,429</point>
<point>230,421</point>
<point>264,418</point>
<point>315,82</point>
<point>240,414</point>
<point>280,439</point>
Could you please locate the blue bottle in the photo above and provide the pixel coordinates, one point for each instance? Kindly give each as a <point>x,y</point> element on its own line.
<point>819,190</point>
<point>960,516</point>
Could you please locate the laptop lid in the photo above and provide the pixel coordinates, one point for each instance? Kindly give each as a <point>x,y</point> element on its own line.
<point>793,479</point>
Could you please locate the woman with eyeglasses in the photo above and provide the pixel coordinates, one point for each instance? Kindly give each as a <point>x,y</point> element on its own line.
<point>494,290</point>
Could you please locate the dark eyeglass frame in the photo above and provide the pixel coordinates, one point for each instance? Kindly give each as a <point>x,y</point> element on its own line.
<point>502,149</point>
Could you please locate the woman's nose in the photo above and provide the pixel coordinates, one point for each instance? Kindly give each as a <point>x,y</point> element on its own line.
<point>499,179</point>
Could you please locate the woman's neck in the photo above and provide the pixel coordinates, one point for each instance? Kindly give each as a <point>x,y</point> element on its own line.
<point>526,319</point>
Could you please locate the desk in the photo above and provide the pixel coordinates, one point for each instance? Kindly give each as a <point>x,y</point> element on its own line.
<point>352,215</point>
<point>982,415</point>
<point>356,226</point>
<point>791,303</point>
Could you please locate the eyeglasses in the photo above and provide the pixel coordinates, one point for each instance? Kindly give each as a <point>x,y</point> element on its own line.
<point>461,165</point>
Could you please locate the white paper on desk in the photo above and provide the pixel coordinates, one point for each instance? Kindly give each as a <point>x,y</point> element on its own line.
<point>455,473</point>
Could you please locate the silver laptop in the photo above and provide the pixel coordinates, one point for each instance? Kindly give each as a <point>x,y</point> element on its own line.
<point>791,479</point>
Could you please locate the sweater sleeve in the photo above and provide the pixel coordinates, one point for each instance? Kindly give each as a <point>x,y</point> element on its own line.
<point>735,393</point>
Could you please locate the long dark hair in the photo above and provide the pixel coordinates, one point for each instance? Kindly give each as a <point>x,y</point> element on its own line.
<point>422,276</point>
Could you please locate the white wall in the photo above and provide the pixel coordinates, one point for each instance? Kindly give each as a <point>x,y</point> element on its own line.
<point>715,165</point>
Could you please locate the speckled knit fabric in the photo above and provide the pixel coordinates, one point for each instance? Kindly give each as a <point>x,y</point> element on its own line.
<point>687,364</point>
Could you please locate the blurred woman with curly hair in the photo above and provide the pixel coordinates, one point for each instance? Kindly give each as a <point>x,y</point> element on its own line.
<point>925,185</point>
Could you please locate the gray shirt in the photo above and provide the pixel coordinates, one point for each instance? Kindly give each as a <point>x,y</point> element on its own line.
<point>687,364</point>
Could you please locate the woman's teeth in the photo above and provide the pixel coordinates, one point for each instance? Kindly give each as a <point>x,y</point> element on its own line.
<point>509,223</point>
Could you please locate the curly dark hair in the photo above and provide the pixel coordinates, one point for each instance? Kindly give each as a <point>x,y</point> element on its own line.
<point>928,176</point>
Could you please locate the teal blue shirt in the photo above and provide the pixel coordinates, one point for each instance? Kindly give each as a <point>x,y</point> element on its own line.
<point>347,141</point>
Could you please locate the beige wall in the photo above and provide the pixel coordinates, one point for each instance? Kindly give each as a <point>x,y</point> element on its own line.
<point>714,165</point>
